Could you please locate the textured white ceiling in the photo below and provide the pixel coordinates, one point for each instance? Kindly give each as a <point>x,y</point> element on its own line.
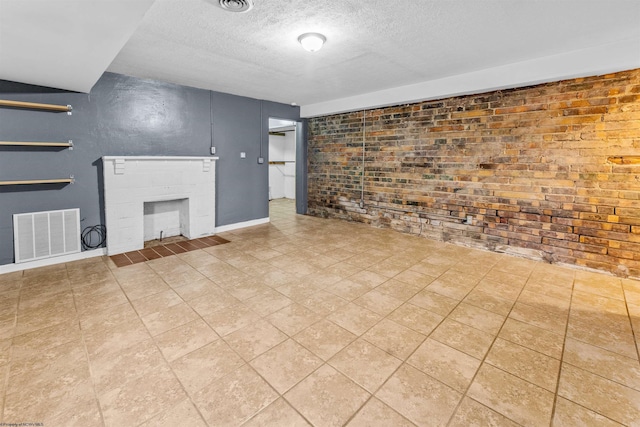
<point>372,46</point>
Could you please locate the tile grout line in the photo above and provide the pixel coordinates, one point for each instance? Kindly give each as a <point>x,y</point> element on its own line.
<point>618,354</point>
<point>152,337</point>
<point>222,338</point>
<point>636,334</point>
<point>577,367</point>
<point>86,354</point>
<point>248,363</point>
<point>7,368</point>
<point>564,344</point>
<point>405,361</point>
<point>325,362</point>
<point>281,396</point>
<point>484,358</point>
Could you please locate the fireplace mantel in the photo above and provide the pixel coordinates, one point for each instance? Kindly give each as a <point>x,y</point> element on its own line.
<point>130,181</point>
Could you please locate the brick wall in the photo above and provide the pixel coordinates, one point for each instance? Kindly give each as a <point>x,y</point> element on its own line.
<point>535,167</point>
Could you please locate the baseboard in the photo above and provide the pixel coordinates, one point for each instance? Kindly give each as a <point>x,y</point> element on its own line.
<point>10,268</point>
<point>237,225</point>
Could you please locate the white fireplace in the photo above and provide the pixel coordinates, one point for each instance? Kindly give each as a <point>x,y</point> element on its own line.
<point>145,195</point>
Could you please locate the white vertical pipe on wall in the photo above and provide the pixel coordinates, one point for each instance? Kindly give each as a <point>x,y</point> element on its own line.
<point>364,126</point>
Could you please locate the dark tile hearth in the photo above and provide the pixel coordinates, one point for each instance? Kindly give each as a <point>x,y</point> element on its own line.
<point>160,251</point>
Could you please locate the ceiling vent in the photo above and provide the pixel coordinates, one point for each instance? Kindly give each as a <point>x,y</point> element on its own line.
<point>236,5</point>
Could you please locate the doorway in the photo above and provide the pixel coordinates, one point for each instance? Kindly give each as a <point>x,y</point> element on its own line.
<point>288,162</point>
<point>282,160</point>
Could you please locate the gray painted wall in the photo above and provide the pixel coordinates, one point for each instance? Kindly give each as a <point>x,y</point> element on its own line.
<point>301,168</point>
<point>129,116</point>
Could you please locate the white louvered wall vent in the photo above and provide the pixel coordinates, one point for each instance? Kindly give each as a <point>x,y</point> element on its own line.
<point>39,235</point>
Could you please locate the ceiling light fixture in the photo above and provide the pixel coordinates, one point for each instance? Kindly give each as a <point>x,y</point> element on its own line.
<point>312,42</point>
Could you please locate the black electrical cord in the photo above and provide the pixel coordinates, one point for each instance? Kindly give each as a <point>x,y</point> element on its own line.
<point>90,233</point>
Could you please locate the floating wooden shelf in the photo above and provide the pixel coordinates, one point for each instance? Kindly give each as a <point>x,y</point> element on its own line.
<point>35,105</point>
<point>69,180</point>
<point>37,144</point>
<point>625,160</point>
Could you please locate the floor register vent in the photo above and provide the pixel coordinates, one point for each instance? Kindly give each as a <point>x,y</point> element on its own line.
<point>39,235</point>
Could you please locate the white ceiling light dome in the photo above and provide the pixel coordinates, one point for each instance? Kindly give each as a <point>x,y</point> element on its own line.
<point>240,6</point>
<point>312,42</point>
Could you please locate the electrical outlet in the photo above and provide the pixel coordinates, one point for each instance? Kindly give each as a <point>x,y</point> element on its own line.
<point>243,155</point>
<point>213,150</point>
<point>260,160</point>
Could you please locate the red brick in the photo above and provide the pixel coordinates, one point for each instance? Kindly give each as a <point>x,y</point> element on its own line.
<point>530,164</point>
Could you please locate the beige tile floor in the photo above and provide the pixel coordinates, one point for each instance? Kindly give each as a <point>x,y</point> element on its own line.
<point>309,321</point>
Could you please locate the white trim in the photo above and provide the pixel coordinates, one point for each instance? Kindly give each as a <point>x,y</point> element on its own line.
<point>237,225</point>
<point>159,158</point>
<point>11,268</point>
<point>594,61</point>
